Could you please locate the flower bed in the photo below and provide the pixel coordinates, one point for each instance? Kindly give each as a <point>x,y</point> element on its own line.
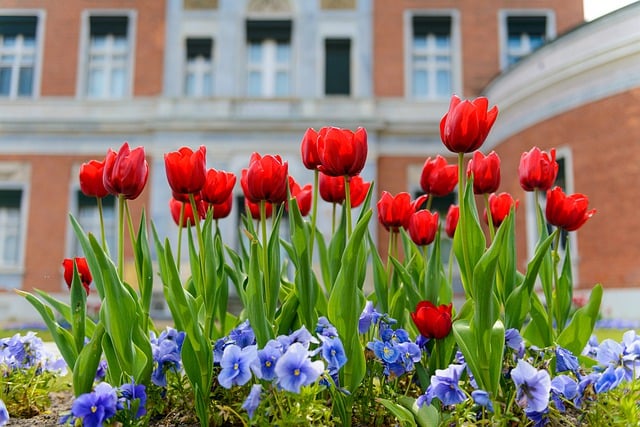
<point>311,347</point>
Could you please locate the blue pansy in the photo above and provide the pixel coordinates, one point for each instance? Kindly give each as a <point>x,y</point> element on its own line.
<point>294,368</point>
<point>533,387</point>
<point>444,386</point>
<point>265,364</point>
<point>96,407</point>
<point>565,360</point>
<point>130,392</point>
<point>563,387</point>
<point>236,365</point>
<point>481,397</point>
<point>333,353</point>
<point>4,414</point>
<point>252,401</point>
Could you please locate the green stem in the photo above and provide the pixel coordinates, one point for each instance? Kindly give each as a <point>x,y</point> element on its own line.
<point>556,260</point>
<point>180,223</point>
<point>333,219</point>
<point>492,231</point>
<point>462,219</point>
<point>347,203</point>
<point>314,211</point>
<point>121,204</point>
<point>103,238</point>
<point>265,260</point>
<point>425,253</point>
<point>196,219</point>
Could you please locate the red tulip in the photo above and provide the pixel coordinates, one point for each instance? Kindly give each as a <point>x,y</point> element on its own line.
<point>423,226</point>
<point>175,206</point>
<point>331,189</point>
<point>265,179</point>
<point>125,172</point>
<point>83,271</point>
<point>394,212</point>
<point>486,172</point>
<point>438,178</point>
<point>432,321</point>
<point>222,210</point>
<point>309,149</point>
<point>91,179</point>
<point>500,206</point>
<point>254,209</point>
<point>342,152</point>
<point>567,212</point>
<point>467,123</point>
<point>218,185</point>
<point>186,171</point>
<point>451,221</point>
<point>302,195</point>
<point>538,169</point>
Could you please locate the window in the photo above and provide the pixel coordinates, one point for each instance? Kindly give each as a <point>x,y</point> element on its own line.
<point>108,59</point>
<point>10,229</point>
<point>337,66</point>
<point>431,57</point>
<point>524,35</point>
<point>88,217</point>
<point>199,68</point>
<point>268,58</point>
<point>17,55</point>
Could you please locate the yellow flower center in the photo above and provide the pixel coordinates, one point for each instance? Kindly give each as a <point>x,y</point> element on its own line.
<point>296,372</point>
<point>94,409</point>
<point>267,363</point>
<point>235,366</point>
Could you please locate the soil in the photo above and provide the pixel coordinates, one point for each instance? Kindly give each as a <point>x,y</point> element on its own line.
<point>61,405</point>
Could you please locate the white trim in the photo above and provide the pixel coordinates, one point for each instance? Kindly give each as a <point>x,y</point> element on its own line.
<point>456,50</point>
<point>40,14</point>
<point>16,175</point>
<point>83,51</point>
<point>503,14</point>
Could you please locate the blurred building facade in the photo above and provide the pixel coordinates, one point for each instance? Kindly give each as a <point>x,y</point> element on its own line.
<point>252,75</point>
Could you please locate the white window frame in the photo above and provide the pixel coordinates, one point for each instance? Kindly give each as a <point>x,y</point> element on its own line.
<point>268,69</point>
<point>455,53</point>
<point>503,30</point>
<point>15,176</point>
<point>84,52</point>
<point>531,221</point>
<point>199,67</point>
<point>36,52</point>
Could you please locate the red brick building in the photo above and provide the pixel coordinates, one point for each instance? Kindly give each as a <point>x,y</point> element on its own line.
<point>251,75</point>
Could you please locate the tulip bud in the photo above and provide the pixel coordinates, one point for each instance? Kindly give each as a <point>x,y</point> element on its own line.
<point>466,125</point>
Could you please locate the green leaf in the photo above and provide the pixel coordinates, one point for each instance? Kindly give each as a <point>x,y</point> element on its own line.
<point>538,332</point>
<point>63,339</point>
<point>425,416</point>
<point>256,299</point>
<point>468,242</point>
<point>144,268</point>
<point>564,292</point>
<point>78,309</point>
<point>65,311</point>
<point>86,366</point>
<point>380,278</point>
<point>404,415</point>
<point>506,274</point>
<point>577,334</point>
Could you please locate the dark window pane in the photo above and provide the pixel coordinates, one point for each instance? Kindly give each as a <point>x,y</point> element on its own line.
<point>5,81</point>
<point>438,25</point>
<point>103,25</point>
<point>14,25</point>
<point>259,30</point>
<point>337,80</point>
<point>10,198</point>
<point>532,25</point>
<point>199,47</point>
<point>25,82</point>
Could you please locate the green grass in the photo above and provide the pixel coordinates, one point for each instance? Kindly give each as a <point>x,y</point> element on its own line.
<point>614,334</point>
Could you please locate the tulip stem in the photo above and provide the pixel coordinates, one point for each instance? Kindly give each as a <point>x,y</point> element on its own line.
<point>196,220</point>
<point>314,212</point>
<point>424,293</point>
<point>180,225</point>
<point>120,235</point>
<point>462,219</point>
<point>333,219</point>
<point>265,259</point>
<point>347,203</point>
<point>489,217</point>
<point>103,239</point>
<point>554,292</point>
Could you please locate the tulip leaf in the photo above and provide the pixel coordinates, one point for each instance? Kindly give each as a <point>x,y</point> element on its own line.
<point>63,339</point>
<point>564,292</point>
<point>538,331</point>
<point>65,311</point>
<point>402,414</point>
<point>92,261</point>
<point>575,337</point>
<point>78,309</point>
<point>425,416</point>
<point>87,363</point>
<point>506,273</point>
<point>144,269</point>
<point>468,242</point>
<point>380,278</point>
<point>434,275</point>
<point>409,288</point>
<point>256,299</point>
<point>468,346</point>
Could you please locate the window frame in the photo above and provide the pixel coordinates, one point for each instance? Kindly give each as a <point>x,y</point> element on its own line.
<point>85,49</point>
<point>269,46</point>
<point>200,68</point>
<point>455,52</point>
<point>325,41</point>
<point>503,29</point>
<point>40,16</point>
<point>15,176</point>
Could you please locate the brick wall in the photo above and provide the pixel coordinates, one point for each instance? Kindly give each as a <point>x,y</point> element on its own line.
<point>61,42</point>
<point>479,33</point>
<point>606,168</point>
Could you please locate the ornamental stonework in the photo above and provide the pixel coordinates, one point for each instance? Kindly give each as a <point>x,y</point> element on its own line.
<point>269,6</point>
<point>200,4</point>
<point>338,4</point>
